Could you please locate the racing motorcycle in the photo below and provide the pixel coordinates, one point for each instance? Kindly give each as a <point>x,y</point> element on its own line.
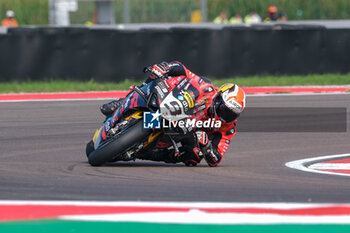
<point>135,126</point>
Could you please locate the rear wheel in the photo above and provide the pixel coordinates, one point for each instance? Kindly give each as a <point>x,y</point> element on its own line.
<point>118,144</point>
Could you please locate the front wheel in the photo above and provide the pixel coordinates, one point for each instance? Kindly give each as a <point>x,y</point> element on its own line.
<point>119,144</point>
<point>89,148</point>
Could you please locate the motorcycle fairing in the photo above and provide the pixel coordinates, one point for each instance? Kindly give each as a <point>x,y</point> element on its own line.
<point>177,98</point>
<point>134,101</point>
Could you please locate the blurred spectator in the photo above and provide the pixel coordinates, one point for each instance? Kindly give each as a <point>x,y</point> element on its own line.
<point>236,19</point>
<point>222,18</point>
<point>93,21</point>
<point>252,17</point>
<point>282,16</point>
<point>10,20</point>
<point>196,16</point>
<point>272,14</point>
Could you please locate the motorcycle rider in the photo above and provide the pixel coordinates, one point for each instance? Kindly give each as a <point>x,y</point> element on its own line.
<point>226,105</point>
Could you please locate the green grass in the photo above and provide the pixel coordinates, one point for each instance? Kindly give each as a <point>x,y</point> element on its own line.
<point>65,85</point>
<point>59,226</point>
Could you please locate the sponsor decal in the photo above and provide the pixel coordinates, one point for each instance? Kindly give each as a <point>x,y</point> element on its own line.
<point>161,85</point>
<point>151,120</point>
<point>165,83</point>
<point>192,75</point>
<point>202,137</point>
<point>182,83</point>
<point>189,99</point>
<point>214,156</point>
<point>126,103</point>
<point>201,102</point>
<point>161,89</point>
<point>157,72</point>
<point>200,108</point>
<point>108,125</point>
<point>159,92</point>
<point>185,104</point>
<point>234,105</point>
<point>208,89</point>
<point>231,131</point>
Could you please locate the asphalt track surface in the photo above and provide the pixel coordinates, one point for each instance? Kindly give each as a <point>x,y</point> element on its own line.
<point>42,157</point>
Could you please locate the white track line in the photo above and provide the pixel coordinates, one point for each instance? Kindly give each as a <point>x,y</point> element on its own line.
<point>330,166</point>
<point>200,217</point>
<point>193,214</point>
<point>301,164</point>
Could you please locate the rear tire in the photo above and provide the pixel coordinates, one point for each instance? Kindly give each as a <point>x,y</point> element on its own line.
<point>118,144</point>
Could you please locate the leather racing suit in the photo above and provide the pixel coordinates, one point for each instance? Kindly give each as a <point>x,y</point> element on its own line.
<point>218,139</point>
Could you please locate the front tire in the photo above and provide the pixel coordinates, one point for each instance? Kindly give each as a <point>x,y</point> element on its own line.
<point>89,148</point>
<point>119,144</point>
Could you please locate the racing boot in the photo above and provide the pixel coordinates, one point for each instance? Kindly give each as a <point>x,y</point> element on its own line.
<point>161,156</point>
<point>109,108</point>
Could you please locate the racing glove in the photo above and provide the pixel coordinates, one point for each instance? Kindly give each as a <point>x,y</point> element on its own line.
<point>202,138</point>
<point>211,156</point>
<point>209,153</point>
<point>160,70</point>
<point>190,156</point>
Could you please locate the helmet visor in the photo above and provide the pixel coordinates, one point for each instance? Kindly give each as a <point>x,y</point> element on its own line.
<point>223,112</point>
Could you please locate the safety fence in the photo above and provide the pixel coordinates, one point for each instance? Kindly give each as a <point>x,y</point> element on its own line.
<point>216,51</point>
